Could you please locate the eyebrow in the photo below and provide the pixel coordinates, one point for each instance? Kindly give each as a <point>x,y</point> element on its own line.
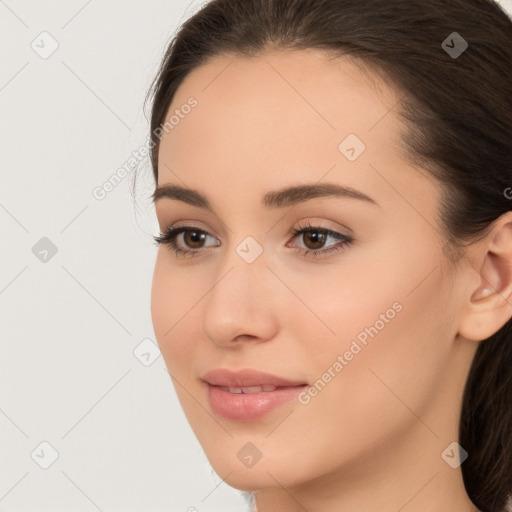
<point>282,198</point>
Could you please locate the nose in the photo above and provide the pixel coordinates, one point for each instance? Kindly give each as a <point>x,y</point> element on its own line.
<point>241,306</point>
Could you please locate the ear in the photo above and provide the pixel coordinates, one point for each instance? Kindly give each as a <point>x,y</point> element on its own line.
<point>489,302</point>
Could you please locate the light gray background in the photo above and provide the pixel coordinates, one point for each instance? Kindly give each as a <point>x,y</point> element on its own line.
<point>68,375</point>
<point>70,324</point>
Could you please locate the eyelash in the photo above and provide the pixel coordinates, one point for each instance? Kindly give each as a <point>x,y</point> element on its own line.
<point>168,238</point>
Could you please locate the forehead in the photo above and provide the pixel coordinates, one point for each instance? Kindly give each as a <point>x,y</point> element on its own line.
<point>279,116</point>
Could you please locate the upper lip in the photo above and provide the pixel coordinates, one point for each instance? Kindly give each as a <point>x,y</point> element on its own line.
<point>245,378</point>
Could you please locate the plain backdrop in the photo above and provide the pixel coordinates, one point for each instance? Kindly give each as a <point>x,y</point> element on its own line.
<point>76,271</point>
<point>89,419</point>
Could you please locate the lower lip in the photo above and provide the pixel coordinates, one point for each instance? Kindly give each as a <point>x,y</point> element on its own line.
<point>249,406</point>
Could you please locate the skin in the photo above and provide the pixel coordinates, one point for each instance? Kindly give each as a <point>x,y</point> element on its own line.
<point>372,438</point>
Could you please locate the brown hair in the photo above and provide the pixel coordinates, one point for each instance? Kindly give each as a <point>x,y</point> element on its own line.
<point>458,110</point>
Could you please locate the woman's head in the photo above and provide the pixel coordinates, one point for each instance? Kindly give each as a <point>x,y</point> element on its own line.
<point>399,324</point>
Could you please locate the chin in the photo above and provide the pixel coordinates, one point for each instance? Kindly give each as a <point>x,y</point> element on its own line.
<point>245,480</point>
<point>267,472</point>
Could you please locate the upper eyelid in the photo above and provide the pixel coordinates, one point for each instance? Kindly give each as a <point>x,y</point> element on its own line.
<point>313,222</point>
<point>293,232</point>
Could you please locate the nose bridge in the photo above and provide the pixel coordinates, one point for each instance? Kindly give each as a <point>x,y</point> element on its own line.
<point>240,302</point>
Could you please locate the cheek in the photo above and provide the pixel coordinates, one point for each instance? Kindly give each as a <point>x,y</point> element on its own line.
<point>394,349</point>
<point>171,303</point>
<point>332,307</point>
<point>161,299</point>
<point>368,403</point>
<point>381,336</point>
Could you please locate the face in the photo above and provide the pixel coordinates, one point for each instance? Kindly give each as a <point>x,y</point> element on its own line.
<point>344,293</point>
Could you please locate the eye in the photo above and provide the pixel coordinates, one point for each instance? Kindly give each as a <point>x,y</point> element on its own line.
<point>193,238</point>
<point>315,237</point>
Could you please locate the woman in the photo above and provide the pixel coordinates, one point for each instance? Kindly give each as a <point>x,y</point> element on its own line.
<point>332,292</point>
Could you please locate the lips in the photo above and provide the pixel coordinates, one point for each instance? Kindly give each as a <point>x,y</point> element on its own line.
<point>248,395</point>
<point>247,378</point>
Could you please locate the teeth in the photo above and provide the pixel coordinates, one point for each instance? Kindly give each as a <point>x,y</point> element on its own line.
<point>249,389</point>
